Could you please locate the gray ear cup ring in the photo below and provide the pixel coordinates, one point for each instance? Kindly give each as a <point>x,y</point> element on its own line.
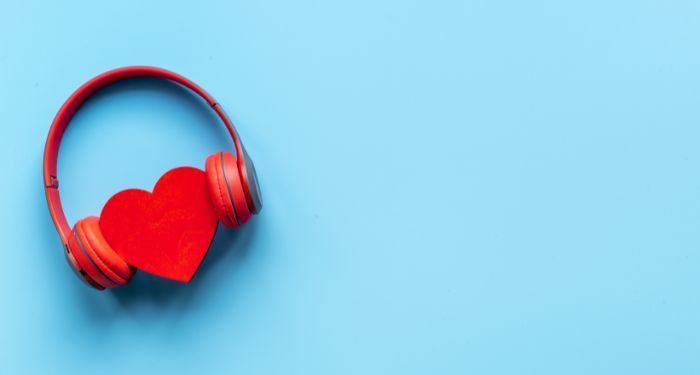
<point>252,177</point>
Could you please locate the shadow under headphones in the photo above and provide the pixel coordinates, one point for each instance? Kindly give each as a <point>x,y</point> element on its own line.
<point>231,181</point>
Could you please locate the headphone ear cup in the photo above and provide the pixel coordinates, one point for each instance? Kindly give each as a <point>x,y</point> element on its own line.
<point>226,189</point>
<point>219,193</point>
<point>234,184</point>
<point>97,260</point>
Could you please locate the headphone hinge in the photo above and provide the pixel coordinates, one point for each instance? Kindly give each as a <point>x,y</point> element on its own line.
<point>53,183</point>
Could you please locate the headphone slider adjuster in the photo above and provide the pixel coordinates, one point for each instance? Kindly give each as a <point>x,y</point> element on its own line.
<point>53,182</point>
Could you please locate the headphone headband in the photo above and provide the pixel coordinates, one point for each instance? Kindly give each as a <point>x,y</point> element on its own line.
<point>65,114</point>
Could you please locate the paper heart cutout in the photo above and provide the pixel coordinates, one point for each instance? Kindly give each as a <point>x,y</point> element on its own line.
<point>167,232</point>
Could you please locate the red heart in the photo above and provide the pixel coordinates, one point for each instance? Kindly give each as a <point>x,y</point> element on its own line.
<point>166,233</point>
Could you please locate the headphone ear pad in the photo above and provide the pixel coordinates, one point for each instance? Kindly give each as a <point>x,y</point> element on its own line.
<point>226,189</point>
<point>234,184</point>
<point>219,193</point>
<point>98,261</point>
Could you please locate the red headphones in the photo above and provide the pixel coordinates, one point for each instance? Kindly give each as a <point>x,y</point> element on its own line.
<point>231,181</point>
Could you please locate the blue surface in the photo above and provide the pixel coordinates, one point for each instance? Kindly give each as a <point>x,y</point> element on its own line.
<point>465,187</point>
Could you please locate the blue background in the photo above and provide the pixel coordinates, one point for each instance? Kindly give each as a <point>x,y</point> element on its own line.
<point>501,187</point>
